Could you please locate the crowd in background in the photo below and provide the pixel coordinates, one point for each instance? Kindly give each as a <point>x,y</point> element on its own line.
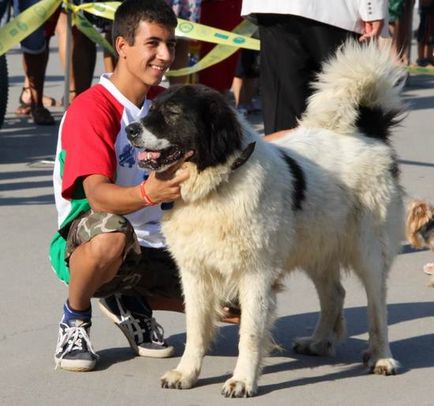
<point>237,76</point>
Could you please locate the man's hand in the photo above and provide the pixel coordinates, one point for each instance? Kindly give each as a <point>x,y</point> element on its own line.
<point>105,196</point>
<point>165,186</point>
<point>371,29</point>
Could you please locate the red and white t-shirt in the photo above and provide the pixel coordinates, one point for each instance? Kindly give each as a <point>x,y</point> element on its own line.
<point>92,140</point>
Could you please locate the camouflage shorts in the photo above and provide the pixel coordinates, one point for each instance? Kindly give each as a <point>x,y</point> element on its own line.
<point>147,271</point>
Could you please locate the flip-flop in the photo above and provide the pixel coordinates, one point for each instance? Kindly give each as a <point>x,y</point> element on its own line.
<point>24,108</point>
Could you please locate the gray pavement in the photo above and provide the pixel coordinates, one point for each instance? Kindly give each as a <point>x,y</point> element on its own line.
<point>31,297</point>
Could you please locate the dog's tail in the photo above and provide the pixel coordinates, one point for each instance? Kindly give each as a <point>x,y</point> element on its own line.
<point>357,90</point>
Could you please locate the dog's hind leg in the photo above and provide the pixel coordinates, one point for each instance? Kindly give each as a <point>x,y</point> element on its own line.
<point>258,303</point>
<point>331,324</point>
<point>372,270</point>
<point>200,318</point>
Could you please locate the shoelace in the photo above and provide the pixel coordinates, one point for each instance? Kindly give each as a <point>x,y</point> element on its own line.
<point>72,339</point>
<point>135,325</point>
<point>157,331</point>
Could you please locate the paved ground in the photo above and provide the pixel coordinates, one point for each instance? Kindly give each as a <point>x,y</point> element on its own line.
<point>32,298</point>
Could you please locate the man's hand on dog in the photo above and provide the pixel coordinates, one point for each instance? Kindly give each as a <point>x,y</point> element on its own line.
<point>166,186</point>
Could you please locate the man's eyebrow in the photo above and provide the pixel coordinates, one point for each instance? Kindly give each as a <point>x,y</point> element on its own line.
<point>160,39</point>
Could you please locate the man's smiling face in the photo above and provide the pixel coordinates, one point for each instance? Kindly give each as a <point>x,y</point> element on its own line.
<point>151,54</point>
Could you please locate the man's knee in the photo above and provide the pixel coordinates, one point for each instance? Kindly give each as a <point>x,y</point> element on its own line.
<point>107,248</point>
<point>106,237</point>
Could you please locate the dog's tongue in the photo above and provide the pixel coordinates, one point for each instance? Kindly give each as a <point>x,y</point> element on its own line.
<point>147,155</point>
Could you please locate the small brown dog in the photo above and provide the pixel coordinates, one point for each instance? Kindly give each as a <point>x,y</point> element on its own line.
<point>419,229</point>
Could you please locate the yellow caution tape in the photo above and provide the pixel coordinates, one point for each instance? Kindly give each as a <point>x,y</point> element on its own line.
<point>218,53</point>
<point>204,33</point>
<point>32,18</point>
<point>25,23</point>
<point>85,26</point>
<point>105,10</point>
<point>185,28</point>
<point>229,42</point>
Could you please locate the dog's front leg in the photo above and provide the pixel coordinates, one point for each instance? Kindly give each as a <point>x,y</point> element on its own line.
<point>200,315</point>
<point>258,303</point>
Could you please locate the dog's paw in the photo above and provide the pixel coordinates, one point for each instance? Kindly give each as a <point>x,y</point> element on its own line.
<point>380,366</point>
<point>175,379</point>
<point>236,388</point>
<point>307,346</point>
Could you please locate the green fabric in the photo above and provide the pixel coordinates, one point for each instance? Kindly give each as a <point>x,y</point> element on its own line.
<point>79,204</point>
<point>396,8</point>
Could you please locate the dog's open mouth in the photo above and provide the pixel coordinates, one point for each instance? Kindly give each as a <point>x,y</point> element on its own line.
<point>155,160</point>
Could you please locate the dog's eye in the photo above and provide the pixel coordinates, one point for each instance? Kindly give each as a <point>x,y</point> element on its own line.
<point>173,110</point>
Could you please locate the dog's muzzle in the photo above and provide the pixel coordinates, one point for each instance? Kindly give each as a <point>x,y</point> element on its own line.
<point>151,159</point>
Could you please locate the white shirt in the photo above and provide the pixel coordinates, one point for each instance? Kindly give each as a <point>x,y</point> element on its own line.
<point>346,14</point>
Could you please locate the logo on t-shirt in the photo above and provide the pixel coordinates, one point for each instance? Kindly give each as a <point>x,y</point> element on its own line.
<point>126,158</point>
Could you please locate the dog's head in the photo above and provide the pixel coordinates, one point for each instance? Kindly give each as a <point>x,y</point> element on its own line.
<point>183,119</point>
<point>420,224</point>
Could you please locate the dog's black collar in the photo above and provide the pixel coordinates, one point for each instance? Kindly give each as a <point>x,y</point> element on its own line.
<point>244,156</point>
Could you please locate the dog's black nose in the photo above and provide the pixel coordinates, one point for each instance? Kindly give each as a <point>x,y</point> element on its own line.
<point>133,131</point>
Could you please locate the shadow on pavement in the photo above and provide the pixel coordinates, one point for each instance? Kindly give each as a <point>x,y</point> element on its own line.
<point>112,356</point>
<point>23,142</point>
<point>411,352</point>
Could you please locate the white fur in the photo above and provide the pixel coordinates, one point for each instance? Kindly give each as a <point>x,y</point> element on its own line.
<point>152,142</point>
<point>236,234</point>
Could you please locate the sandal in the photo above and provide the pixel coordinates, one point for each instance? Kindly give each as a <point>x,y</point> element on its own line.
<point>41,116</point>
<point>72,96</point>
<point>25,107</point>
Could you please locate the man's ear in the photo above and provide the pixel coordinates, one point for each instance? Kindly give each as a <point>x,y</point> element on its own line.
<point>120,45</point>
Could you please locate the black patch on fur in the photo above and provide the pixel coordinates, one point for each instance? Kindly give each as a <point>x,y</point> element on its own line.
<point>298,194</point>
<point>375,123</point>
<point>394,169</point>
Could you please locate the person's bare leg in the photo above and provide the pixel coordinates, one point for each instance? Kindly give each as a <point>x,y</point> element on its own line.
<point>34,68</point>
<point>181,61</point>
<point>61,27</point>
<point>237,84</point>
<point>429,52</point>
<point>83,57</point>
<point>404,33</point>
<point>420,51</point>
<point>26,96</point>
<point>83,61</point>
<point>92,264</point>
<point>247,91</point>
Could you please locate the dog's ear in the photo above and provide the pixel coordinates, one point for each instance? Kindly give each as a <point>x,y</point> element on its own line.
<point>418,209</point>
<point>223,132</point>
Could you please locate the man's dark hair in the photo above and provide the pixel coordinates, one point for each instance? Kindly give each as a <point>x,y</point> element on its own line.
<point>131,12</point>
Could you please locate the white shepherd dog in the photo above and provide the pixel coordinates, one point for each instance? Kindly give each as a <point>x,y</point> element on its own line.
<point>324,198</point>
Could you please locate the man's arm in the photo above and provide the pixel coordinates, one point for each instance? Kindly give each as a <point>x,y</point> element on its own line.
<point>104,196</point>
